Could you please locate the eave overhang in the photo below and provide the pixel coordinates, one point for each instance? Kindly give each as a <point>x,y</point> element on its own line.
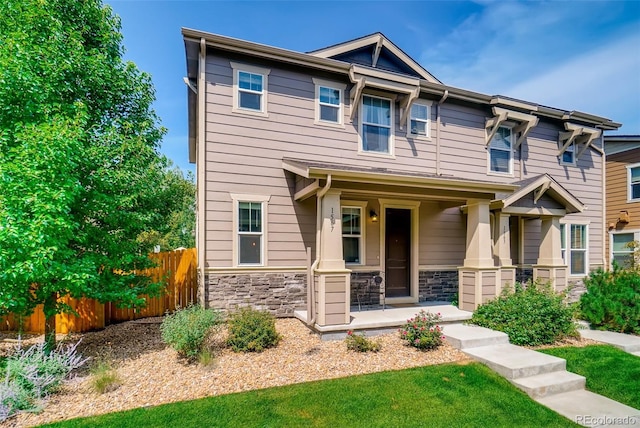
<point>544,184</point>
<point>383,176</point>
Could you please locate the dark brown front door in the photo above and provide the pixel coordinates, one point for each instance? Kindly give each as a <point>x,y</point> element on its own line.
<point>397,252</point>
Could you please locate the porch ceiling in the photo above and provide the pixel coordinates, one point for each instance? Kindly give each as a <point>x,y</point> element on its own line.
<point>413,182</point>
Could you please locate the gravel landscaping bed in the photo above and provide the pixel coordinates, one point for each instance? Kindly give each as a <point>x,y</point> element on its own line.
<point>152,374</point>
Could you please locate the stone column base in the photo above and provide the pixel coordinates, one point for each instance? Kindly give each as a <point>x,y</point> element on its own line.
<point>556,275</point>
<point>476,286</point>
<point>333,297</point>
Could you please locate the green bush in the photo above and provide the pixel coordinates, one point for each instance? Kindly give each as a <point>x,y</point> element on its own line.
<point>186,329</point>
<point>422,331</point>
<point>360,343</point>
<point>251,330</point>
<point>531,315</point>
<point>612,300</point>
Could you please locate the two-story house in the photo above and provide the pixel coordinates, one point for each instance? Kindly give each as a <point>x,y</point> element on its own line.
<point>622,196</point>
<point>319,170</point>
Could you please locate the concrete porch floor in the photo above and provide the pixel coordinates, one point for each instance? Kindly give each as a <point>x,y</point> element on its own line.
<point>378,321</point>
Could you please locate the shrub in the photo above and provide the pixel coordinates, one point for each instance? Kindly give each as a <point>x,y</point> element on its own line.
<point>33,373</point>
<point>360,343</point>
<point>422,331</point>
<point>186,329</point>
<point>531,315</point>
<point>251,330</point>
<point>612,300</point>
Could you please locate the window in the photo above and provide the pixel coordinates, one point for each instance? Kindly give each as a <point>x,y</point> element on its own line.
<point>569,156</point>
<point>500,153</point>
<point>250,233</point>
<point>574,247</point>
<point>634,182</point>
<point>352,234</point>
<point>329,102</point>
<point>376,124</point>
<point>419,119</point>
<point>249,89</point>
<point>622,248</point>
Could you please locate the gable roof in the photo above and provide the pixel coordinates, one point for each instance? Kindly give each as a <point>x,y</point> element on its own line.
<point>614,144</point>
<point>377,51</point>
<point>542,185</point>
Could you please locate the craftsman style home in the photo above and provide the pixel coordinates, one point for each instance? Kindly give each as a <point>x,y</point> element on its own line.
<point>318,171</point>
<point>622,196</point>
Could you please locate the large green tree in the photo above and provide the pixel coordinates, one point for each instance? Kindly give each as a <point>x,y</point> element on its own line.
<point>79,159</point>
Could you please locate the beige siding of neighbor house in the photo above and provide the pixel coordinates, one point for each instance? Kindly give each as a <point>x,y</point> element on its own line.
<point>244,156</point>
<point>617,194</point>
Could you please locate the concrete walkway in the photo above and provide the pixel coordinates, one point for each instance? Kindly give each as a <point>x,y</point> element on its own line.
<point>543,377</point>
<point>627,342</point>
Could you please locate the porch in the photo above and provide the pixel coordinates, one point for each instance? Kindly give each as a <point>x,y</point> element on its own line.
<point>376,320</point>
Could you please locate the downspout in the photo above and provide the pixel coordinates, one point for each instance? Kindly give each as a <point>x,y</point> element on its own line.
<point>311,305</point>
<point>605,256</point>
<point>200,168</point>
<point>444,97</point>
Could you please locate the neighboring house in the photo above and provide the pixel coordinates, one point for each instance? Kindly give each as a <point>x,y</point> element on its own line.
<point>623,196</point>
<point>326,168</point>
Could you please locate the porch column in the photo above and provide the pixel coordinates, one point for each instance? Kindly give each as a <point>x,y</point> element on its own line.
<point>478,278</point>
<point>503,251</point>
<point>331,277</point>
<point>550,266</point>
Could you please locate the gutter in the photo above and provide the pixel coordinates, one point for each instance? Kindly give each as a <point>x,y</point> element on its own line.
<point>311,304</point>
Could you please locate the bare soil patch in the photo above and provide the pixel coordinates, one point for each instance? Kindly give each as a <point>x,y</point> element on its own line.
<point>152,373</point>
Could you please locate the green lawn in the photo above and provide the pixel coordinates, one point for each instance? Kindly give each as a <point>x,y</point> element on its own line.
<point>609,371</point>
<point>449,395</point>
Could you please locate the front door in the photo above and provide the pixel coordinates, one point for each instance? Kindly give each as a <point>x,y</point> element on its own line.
<point>397,252</point>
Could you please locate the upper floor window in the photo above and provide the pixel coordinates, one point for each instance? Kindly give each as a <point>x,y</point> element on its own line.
<point>573,241</point>
<point>634,182</point>
<point>501,152</point>
<point>419,119</point>
<point>376,125</point>
<point>569,155</point>
<point>249,89</point>
<point>328,102</point>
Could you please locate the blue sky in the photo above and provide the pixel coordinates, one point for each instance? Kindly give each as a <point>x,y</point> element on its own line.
<point>573,55</point>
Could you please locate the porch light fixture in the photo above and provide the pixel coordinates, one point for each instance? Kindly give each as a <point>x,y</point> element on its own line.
<point>373,216</point>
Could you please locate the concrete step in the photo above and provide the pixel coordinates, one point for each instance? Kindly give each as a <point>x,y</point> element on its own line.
<point>637,354</point>
<point>592,410</point>
<point>514,362</point>
<point>626,342</point>
<point>462,336</point>
<point>545,384</point>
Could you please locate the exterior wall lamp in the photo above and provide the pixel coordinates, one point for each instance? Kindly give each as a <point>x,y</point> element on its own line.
<point>373,216</point>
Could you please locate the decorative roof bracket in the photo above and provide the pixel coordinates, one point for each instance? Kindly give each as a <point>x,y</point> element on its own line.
<point>406,105</point>
<point>538,193</point>
<point>523,129</point>
<point>526,123</point>
<point>356,92</point>
<point>578,135</point>
<point>376,52</point>
<point>493,124</point>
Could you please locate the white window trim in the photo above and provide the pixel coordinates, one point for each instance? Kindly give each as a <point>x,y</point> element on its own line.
<point>341,87</point>
<point>508,126</point>
<point>427,104</point>
<point>361,150</point>
<point>571,148</point>
<point>636,237</point>
<point>364,215</point>
<point>629,193</point>
<point>261,199</point>
<point>237,68</point>
<point>567,245</point>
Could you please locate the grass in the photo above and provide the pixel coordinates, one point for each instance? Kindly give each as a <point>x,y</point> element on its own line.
<point>445,395</point>
<point>104,377</point>
<point>609,371</point>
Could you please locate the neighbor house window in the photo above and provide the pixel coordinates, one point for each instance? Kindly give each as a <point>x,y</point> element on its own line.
<point>574,247</point>
<point>249,89</point>
<point>250,233</point>
<point>419,119</point>
<point>622,248</point>
<point>500,151</point>
<point>376,125</point>
<point>352,234</point>
<point>634,182</point>
<point>569,155</point>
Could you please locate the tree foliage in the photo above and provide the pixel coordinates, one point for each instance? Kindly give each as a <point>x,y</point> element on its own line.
<point>79,161</point>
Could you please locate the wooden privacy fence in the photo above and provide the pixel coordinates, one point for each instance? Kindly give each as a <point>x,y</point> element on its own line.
<point>177,269</point>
